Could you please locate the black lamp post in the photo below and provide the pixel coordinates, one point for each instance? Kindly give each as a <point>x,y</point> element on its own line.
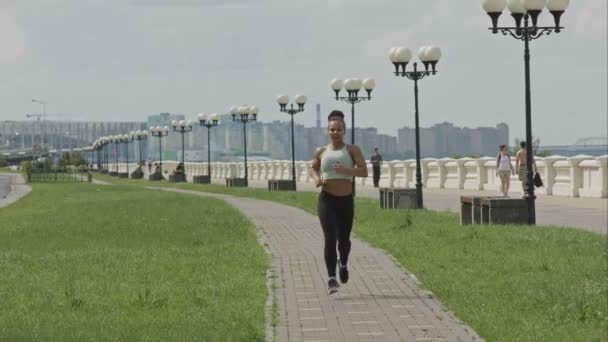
<point>283,100</point>
<point>125,140</point>
<point>528,10</point>
<point>159,132</point>
<point>353,86</point>
<point>116,139</point>
<point>400,57</point>
<point>182,127</point>
<point>106,147</point>
<point>97,148</point>
<point>244,114</point>
<point>139,136</point>
<point>212,121</point>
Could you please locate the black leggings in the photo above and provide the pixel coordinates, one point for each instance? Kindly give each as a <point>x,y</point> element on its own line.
<point>336,216</point>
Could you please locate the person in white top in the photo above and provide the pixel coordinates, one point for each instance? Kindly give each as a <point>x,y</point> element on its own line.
<point>504,168</point>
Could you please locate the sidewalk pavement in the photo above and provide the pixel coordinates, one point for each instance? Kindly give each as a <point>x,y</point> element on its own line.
<point>589,214</point>
<point>12,188</point>
<point>381,302</point>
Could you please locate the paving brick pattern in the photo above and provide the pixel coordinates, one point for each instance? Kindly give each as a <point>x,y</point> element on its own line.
<point>380,302</point>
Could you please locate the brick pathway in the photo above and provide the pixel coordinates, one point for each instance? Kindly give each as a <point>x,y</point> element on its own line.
<point>379,303</point>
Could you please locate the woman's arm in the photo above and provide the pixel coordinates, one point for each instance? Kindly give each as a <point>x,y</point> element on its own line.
<point>360,167</point>
<point>316,167</point>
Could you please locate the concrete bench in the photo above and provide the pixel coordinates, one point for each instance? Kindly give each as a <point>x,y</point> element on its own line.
<point>178,177</point>
<point>281,185</point>
<point>398,198</point>
<point>155,176</point>
<point>492,210</point>
<point>501,210</point>
<point>137,174</point>
<point>236,182</point>
<point>201,179</point>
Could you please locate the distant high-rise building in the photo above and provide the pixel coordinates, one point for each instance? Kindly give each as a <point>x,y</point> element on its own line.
<point>318,115</point>
<point>446,140</point>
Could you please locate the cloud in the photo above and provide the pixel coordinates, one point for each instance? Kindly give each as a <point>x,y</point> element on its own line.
<point>591,19</point>
<point>12,40</point>
<point>189,3</point>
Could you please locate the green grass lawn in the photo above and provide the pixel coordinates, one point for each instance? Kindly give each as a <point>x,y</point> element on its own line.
<point>510,283</point>
<point>97,263</point>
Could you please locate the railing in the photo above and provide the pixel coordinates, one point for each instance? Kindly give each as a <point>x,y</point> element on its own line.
<point>58,176</point>
<point>578,176</point>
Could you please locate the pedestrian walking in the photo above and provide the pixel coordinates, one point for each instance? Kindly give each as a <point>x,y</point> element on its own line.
<point>333,169</point>
<point>521,160</point>
<point>504,169</point>
<point>376,161</point>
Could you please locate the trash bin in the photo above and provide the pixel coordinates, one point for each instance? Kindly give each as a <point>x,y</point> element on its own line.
<point>281,185</point>
<point>501,210</point>
<point>398,198</point>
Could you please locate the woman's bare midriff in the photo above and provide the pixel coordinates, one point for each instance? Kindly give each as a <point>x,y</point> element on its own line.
<point>338,187</point>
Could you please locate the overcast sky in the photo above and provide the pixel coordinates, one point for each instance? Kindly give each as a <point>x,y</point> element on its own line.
<point>127,59</point>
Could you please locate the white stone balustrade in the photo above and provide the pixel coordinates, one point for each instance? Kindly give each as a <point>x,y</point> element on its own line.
<point>578,176</point>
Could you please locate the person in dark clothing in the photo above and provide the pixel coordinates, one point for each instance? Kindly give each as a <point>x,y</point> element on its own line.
<point>376,160</point>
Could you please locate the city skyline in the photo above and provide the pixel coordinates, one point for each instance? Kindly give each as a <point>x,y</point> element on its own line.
<point>123,62</point>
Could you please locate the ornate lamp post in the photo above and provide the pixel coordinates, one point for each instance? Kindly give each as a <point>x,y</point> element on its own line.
<point>182,127</point>
<point>244,114</point>
<point>160,133</point>
<point>43,122</point>
<point>97,148</point>
<point>429,56</point>
<point>139,136</point>
<point>105,142</point>
<point>209,122</point>
<point>125,140</point>
<point>353,86</point>
<point>528,10</point>
<point>300,100</point>
<point>116,139</point>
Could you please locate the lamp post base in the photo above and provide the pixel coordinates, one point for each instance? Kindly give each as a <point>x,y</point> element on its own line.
<point>398,198</point>
<point>281,185</point>
<point>236,182</point>
<point>177,178</point>
<point>201,179</point>
<point>155,176</point>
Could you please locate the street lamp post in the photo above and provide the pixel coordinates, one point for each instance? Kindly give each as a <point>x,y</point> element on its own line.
<point>353,86</point>
<point>244,114</point>
<point>528,10</point>
<point>104,154</point>
<point>159,132</point>
<point>210,122</point>
<point>43,122</point>
<point>125,140</point>
<point>182,127</point>
<point>283,100</point>
<point>107,150</point>
<point>116,139</point>
<point>429,56</point>
<point>97,148</point>
<point>139,136</point>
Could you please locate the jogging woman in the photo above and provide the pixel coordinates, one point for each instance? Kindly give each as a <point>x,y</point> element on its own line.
<point>333,169</point>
